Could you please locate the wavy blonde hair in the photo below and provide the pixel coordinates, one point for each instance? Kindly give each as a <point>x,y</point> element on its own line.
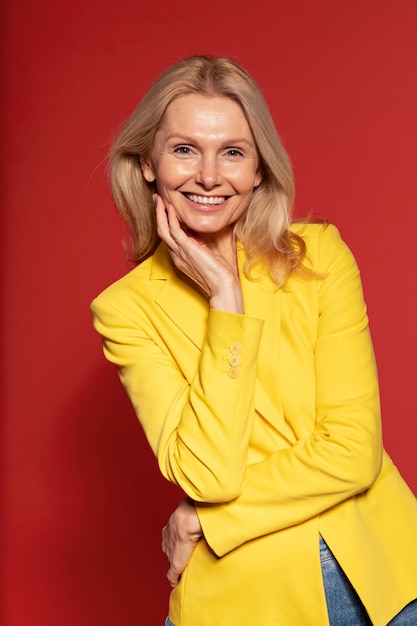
<point>263,230</point>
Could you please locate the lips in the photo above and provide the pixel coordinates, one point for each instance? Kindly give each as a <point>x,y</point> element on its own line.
<point>208,200</point>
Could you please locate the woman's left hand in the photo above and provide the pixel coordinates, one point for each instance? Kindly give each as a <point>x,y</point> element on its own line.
<point>215,274</point>
<point>179,539</point>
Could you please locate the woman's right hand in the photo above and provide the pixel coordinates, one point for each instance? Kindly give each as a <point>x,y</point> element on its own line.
<point>216,276</point>
<point>179,539</point>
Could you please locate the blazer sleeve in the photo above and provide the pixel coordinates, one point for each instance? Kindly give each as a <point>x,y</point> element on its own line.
<point>198,430</point>
<point>343,454</point>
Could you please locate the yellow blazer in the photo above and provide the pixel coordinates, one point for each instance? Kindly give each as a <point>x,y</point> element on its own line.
<point>270,422</point>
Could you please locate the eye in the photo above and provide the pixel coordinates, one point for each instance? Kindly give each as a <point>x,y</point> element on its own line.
<point>182,150</point>
<point>234,152</point>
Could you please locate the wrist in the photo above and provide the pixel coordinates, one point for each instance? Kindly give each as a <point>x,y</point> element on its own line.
<point>228,299</point>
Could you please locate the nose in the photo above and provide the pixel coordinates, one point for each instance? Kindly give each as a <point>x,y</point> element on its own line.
<point>208,173</point>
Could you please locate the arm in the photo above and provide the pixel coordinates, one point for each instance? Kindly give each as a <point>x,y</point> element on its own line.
<point>342,456</point>
<point>198,429</point>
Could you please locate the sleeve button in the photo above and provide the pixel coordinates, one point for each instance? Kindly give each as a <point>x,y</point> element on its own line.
<point>233,372</point>
<point>235,348</point>
<point>234,360</point>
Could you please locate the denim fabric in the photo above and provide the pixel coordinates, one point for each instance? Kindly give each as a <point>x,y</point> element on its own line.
<point>343,604</point>
<point>168,622</point>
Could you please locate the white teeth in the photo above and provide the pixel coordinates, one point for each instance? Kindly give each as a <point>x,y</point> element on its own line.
<point>205,199</point>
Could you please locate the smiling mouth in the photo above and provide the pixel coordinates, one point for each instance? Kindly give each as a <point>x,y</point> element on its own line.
<point>208,200</point>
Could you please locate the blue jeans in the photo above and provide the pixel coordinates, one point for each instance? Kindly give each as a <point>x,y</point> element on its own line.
<point>343,604</point>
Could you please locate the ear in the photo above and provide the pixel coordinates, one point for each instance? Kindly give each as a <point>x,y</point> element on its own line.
<point>258,178</point>
<point>147,171</point>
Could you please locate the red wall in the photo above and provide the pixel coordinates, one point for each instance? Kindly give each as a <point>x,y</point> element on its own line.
<point>83,501</point>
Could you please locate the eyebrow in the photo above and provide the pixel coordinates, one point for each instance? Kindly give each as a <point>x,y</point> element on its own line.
<point>228,142</point>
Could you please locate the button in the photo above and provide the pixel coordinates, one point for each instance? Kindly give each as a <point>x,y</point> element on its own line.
<point>233,372</point>
<point>234,360</point>
<point>235,348</point>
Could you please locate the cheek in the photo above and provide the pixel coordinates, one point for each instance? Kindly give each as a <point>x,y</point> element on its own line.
<point>246,179</point>
<point>166,186</point>
<point>172,175</point>
<point>163,181</point>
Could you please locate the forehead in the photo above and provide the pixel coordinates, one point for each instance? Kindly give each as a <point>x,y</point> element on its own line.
<point>201,112</point>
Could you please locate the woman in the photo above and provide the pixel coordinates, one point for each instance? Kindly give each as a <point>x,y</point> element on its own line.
<point>243,343</point>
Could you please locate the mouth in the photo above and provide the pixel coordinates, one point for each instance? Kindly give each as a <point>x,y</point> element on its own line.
<point>207,200</point>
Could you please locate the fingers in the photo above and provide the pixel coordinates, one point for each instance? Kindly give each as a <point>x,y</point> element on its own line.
<point>162,220</point>
<point>164,542</point>
<point>173,577</point>
<point>168,226</point>
<point>179,539</point>
<point>182,247</point>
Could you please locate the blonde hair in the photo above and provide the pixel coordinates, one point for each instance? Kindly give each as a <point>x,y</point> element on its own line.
<point>263,229</point>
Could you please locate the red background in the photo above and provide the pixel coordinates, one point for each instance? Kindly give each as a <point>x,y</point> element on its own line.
<point>83,504</point>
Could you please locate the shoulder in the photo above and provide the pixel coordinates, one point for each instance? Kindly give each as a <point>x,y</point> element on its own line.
<point>137,287</point>
<point>128,282</point>
<point>324,245</point>
<point>317,233</point>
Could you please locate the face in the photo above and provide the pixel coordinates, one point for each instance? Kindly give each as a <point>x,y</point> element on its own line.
<point>205,163</point>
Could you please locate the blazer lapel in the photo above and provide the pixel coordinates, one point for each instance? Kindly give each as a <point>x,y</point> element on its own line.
<point>264,301</point>
<point>180,301</point>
